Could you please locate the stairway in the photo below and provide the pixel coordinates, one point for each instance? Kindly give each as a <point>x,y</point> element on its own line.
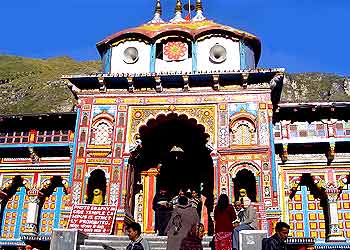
<point>96,242</point>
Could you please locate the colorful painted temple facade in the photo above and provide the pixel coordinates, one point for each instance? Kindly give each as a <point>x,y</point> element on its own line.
<point>179,104</point>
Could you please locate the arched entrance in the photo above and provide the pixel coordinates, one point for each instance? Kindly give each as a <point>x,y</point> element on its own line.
<point>96,181</point>
<point>245,179</point>
<point>176,145</point>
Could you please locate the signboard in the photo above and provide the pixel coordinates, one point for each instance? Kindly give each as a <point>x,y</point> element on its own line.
<point>92,219</point>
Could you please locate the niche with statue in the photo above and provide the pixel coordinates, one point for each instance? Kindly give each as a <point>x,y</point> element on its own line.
<point>96,188</point>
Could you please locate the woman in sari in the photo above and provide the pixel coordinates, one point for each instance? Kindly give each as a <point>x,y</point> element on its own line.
<point>224,215</point>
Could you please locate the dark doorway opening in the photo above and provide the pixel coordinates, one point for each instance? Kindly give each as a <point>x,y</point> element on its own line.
<point>245,179</point>
<point>97,180</point>
<point>178,145</point>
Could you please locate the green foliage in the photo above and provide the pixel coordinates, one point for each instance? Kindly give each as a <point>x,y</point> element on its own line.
<point>35,86</point>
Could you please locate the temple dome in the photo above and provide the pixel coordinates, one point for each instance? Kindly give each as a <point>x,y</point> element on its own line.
<point>191,29</point>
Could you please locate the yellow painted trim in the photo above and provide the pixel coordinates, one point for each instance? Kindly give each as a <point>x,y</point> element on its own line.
<point>105,101</point>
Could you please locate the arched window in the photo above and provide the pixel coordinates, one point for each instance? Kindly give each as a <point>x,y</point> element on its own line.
<point>102,133</point>
<point>52,206</point>
<point>307,196</point>
<point>96,180</point>
<point>13,211</point>
<point>245,179</point>
<point>102,129</point>
<point>243,132</point>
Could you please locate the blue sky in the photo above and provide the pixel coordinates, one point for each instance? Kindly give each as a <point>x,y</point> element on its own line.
<point>300,35</point>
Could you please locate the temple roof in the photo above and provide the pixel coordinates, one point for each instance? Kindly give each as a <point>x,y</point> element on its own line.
<point>193,29</point>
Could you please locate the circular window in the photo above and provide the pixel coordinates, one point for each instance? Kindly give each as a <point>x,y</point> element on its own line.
<point>131,55</point>
<point>217,54</point>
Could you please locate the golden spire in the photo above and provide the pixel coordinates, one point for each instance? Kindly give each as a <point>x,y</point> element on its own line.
<point>158,8</point>
<point>157,14</point>
<point>178,7</point>
<point>199,6</point>
<point>199,11</point>
<point>178,13</point>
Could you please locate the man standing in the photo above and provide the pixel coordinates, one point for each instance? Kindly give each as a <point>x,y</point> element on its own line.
<point>196,202</point>
<point>277,241</point>
<point>137,242</point>
<point>162,209</point>
<point>175,201</point>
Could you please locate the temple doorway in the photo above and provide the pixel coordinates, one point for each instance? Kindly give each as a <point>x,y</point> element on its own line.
<point>245,179</point>
<point>176,146</point>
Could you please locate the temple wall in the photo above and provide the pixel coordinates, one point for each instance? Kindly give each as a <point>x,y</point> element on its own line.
<point>314,166</point>
<point>238,125</point>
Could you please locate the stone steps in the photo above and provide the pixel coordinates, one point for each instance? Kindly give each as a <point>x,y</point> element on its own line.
<point>96,242</point>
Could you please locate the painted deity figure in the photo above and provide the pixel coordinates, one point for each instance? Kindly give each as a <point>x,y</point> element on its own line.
<point>98,197</point>
<point>243,194</point>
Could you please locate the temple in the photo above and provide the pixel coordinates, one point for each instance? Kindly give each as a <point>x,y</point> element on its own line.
<point>179,104</point>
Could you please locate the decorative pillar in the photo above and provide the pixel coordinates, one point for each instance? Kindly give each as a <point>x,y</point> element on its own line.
<point>335,234</point>
<point>31,226</point>
<point>149,182</point>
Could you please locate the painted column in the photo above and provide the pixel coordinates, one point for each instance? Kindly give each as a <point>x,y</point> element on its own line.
<point>31,226</point>
<point>149,181</point>
<point>335,234</point>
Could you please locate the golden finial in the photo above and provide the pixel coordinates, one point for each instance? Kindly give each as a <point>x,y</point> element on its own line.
<point>178,13</point>
<point>199,11</point>
<point>157,14</point>
<point>178,7</point>
<point>199,6</point>
<point>158,8</point>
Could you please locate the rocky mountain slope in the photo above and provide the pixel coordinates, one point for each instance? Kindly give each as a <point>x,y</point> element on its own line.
<point>315,87</point>
<point>34,85</point>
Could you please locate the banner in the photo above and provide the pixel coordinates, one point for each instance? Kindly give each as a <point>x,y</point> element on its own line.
<point>92,219</point>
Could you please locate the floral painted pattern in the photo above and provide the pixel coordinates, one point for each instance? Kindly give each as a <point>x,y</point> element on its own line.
<point>175,51</point>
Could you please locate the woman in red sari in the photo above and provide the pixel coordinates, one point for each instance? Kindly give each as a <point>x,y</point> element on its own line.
<point>224,215</point>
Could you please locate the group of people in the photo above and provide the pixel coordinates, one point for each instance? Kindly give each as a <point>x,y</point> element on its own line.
<point>230,220</point>
<point>185,232</point>
<point>183,228</point>
<point>164,206</point>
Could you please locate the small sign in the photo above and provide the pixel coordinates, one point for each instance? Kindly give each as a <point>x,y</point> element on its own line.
<point>92,219</point>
